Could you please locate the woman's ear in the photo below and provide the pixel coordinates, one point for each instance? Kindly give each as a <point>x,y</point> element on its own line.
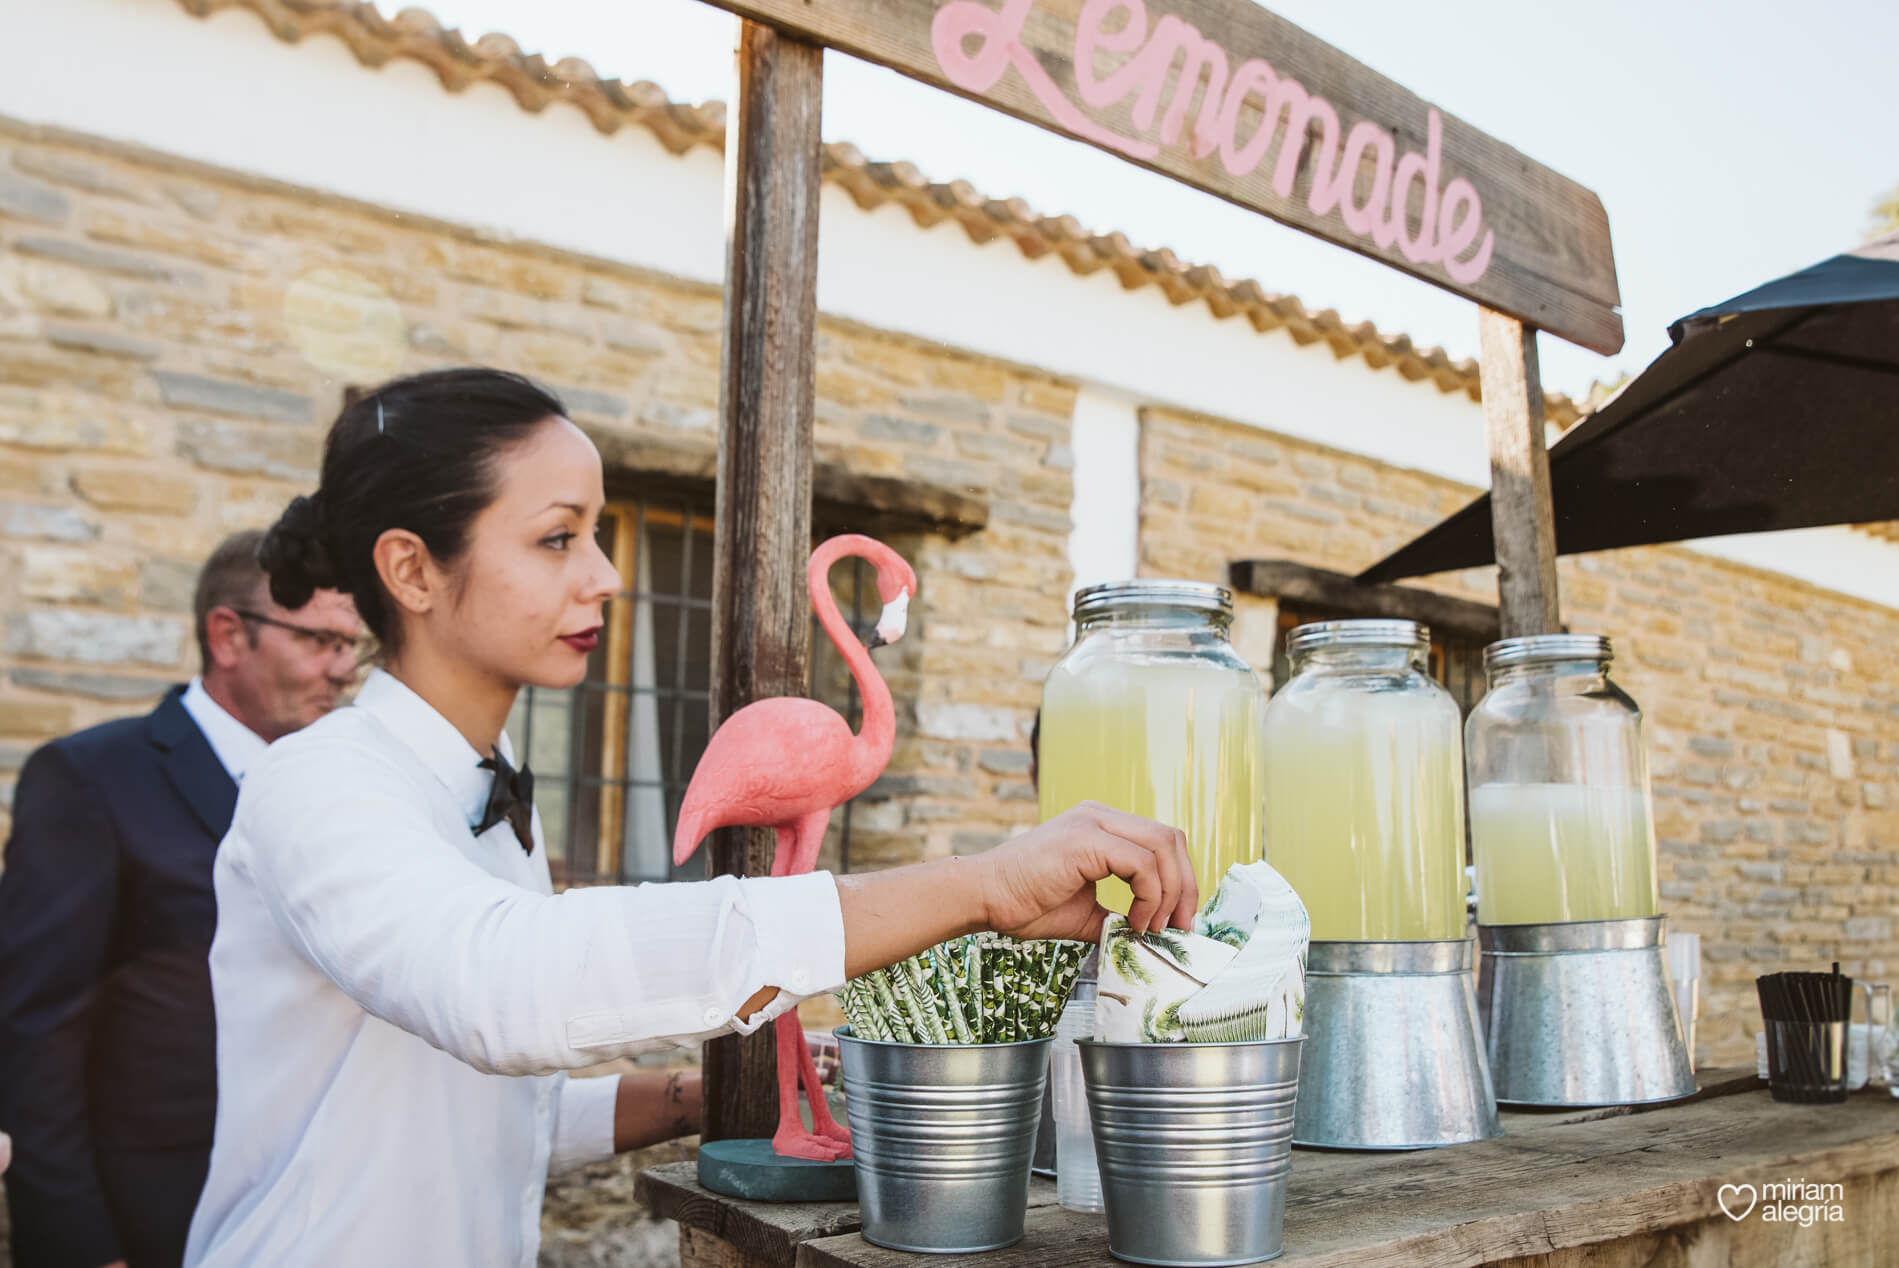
<point>407,570</point>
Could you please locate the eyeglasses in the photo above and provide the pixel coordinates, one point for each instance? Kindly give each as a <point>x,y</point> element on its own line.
<point>328,641</point>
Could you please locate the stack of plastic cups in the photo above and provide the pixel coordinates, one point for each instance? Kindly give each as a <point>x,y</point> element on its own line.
<point>1684,971</point>
<point>1077,1175</point>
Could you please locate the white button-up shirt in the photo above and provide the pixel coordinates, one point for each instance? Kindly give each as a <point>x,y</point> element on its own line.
<point>235,745</point>
<point>397,997</point>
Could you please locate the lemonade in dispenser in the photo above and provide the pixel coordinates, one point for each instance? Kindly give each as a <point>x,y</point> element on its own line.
<point>1152,712</point>
<point>1365,785</point>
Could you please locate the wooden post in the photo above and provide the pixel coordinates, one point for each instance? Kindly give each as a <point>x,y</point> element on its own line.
<point>1522,518</point>
<point>612,834</point>
<point>762,532</point>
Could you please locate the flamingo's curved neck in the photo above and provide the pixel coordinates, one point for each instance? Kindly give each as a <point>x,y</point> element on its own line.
<point>871,750</point>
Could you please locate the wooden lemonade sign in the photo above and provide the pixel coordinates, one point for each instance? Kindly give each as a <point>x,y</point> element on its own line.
<point>1227,97</point>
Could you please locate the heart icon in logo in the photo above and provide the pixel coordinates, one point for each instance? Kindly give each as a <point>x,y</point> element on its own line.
<point>1736,1211</point>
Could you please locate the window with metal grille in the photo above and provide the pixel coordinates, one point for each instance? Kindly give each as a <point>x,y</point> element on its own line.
<point>612,756</point>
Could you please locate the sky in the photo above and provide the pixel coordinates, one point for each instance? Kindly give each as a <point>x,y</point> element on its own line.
<point>1731,141</point>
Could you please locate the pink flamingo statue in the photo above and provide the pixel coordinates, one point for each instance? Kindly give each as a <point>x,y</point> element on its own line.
<point>786,763</point>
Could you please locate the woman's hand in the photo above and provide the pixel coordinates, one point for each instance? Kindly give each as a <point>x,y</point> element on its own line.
<point>1042,883</point>
<point>1039,885</point>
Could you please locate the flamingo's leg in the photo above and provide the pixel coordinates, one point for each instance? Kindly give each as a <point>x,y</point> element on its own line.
<point>793,1139</point>
<point>807,839</point>
<point>830,1141</point>
<point>822,1121</point>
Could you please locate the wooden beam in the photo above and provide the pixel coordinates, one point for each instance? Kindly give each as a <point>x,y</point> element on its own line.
<point>1340,593</point>
<point>641,468</point>
<point>861,502</point>
<point>762,503</point>
<point>1522,516</point>
<point>1237,101</point>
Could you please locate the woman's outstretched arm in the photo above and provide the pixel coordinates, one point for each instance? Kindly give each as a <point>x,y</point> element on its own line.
<point>1039,885</point>
<point>402,919</point>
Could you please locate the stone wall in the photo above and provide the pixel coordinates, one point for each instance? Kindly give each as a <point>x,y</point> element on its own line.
<point>1772,707</point>
<point>174,340</point>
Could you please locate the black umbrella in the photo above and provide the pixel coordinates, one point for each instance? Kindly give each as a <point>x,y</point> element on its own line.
<point>1778,409</point>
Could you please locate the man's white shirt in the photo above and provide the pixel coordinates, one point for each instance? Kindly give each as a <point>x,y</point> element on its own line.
<point>235,745</point>
<point>397,999</point>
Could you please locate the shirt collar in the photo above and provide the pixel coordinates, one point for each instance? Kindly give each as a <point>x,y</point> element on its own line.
<point>443,749</point>
<point>235,745</point>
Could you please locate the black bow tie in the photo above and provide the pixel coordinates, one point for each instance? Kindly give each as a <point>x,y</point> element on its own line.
<point>511,798</point>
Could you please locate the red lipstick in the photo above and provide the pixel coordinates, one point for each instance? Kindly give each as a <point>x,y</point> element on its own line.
<point>583,642</point>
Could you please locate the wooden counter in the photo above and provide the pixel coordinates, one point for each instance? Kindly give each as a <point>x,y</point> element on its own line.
<point>1605,1189</point>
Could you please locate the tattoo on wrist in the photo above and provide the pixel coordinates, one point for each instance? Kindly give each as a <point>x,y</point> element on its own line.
<point>674,1093</point>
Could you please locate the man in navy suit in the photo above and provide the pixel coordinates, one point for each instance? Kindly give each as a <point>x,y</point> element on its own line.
<point>108,1059</point>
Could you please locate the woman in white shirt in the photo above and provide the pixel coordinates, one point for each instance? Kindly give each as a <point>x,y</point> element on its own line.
<point>398,989</point>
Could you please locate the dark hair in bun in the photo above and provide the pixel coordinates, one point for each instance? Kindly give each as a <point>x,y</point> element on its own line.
<point>417,454</point>
<point>294,555</point>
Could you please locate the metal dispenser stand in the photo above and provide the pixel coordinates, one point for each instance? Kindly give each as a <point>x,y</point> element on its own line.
<point>1394,1058</point>
<point>1582,1013</point>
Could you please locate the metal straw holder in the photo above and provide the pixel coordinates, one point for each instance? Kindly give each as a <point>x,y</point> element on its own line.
<point>1394,1058</point>
<point>942,1135</point>
<point>1582,1013</point>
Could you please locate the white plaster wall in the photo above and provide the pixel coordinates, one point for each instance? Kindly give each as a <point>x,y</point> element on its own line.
<point>223,90</point>
<point>1835,558</point>
<point>1104,544</point>
<point>991,299</point>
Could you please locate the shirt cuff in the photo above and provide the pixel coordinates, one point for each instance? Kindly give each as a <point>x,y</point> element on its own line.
<point>583,1121</point>
<point>799,926</point>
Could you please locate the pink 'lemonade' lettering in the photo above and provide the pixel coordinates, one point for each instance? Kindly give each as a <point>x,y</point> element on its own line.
<point>1370,219</point>
<point>1457,233</point>
<point>1450,223</point>
<point>1000,47</point>
<point>1417,167</point>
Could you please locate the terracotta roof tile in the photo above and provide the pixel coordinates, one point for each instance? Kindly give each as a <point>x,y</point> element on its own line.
<point>611,104</point>
<point>533,81</point>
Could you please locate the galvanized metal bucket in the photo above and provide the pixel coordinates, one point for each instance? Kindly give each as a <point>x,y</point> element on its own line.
<point>1195,1146</point>
<point>943,1135</point>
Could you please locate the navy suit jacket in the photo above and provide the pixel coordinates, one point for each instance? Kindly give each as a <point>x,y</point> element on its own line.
<point>107,1039</point>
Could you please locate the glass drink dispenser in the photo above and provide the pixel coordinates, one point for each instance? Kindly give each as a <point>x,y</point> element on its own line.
<point>1574,982</point>
<point>1365,818</point>
<point>1153,712</point>
<point>1560,819</point>
<point>1364,785</point>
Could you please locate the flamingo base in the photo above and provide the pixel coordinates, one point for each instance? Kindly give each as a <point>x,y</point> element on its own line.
<point>799,1163</point>
<point>754,1172</point>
